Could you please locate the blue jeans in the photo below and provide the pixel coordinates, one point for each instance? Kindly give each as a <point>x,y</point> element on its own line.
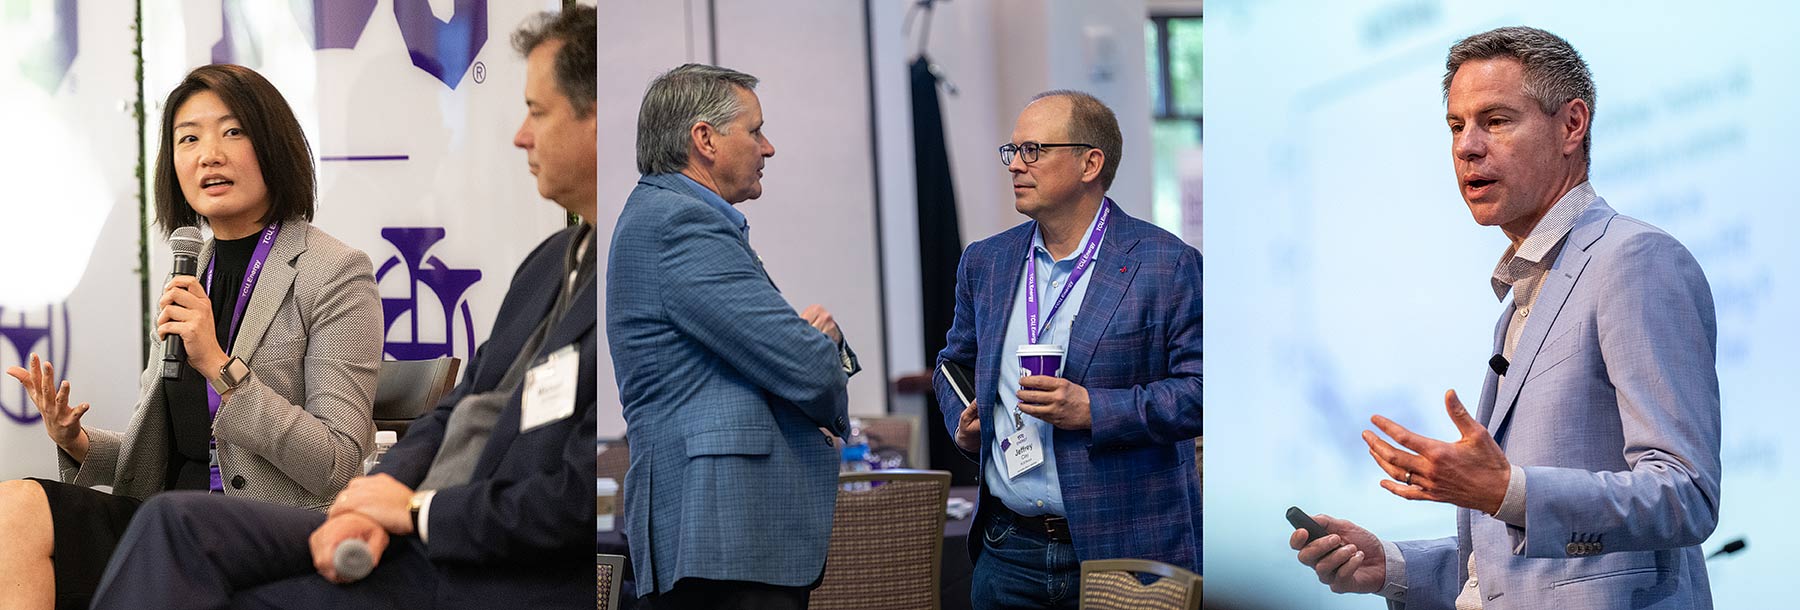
<point>1019,568</point>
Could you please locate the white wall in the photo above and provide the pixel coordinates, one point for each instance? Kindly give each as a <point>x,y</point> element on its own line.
<point>899,211</point>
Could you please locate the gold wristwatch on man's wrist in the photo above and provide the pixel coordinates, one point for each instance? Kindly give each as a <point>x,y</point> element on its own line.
<point>412,508</point>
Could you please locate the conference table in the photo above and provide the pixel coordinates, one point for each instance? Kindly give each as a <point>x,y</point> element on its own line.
<point>953,584</point>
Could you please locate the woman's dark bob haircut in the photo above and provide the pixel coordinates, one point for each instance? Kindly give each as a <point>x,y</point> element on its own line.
<point>275,136</point>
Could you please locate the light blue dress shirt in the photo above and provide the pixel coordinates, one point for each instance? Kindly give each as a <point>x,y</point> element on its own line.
<point>1037,491</point>
<point>714,200</point>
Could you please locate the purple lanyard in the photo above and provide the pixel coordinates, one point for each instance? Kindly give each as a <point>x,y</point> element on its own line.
<point>1088,249</point>
<point>237,312</point>
<point>260,256</point>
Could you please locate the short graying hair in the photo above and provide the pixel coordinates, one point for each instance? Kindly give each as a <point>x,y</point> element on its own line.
<point>1554,72</point>
<point>1091,122</point>
<point>693,93</point>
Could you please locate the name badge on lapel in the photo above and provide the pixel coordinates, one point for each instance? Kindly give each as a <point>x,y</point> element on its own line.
<point>549,393</point>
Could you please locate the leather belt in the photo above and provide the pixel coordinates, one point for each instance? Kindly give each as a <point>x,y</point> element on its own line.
<point>1053,527</point>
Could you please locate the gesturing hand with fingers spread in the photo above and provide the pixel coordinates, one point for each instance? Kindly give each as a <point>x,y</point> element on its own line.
<point>62,421</point>
<point>1471,472</point>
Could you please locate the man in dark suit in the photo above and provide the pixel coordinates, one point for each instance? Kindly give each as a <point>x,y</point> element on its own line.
<point>726,388</point>
<point>1097,462</point>
<point>488,500</point>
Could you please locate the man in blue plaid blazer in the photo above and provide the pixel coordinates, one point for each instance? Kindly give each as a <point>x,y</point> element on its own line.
<point>730,397</point>
<point>1099,462</point>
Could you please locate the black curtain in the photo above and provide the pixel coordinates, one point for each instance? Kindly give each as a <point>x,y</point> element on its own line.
<point>940,248</point>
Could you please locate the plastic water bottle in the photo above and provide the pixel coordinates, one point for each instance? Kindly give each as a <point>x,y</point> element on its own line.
<point>384,440</point>
<point>855,455</point>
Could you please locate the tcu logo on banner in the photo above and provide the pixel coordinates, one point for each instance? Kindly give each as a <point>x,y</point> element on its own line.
<point>442,49</point>
<point>28,333</point>
<point>48,63</point>
<point>431,274</point>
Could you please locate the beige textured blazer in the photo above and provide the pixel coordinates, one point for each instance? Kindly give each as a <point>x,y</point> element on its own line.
<point>297,430</point>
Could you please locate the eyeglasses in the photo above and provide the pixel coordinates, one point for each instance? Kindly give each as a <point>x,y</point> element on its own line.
<point>1031,150</point>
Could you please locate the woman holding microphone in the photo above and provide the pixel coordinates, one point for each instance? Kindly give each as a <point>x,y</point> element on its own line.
<point>282,334</point>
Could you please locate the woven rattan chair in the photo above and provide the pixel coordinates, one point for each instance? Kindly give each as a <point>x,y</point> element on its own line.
<point>1112,584</point>
<point>607,571</point>
<point>887,542</point>
<point>894,434</point>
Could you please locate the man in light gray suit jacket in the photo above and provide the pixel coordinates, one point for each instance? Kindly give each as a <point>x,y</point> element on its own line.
<point>731,400</point>
<point>1590,475</point>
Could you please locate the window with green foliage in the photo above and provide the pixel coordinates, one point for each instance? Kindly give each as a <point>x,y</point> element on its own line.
<point>1174,57</point>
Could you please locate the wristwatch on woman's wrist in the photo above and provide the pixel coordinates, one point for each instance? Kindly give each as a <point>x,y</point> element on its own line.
<point>231,375</point>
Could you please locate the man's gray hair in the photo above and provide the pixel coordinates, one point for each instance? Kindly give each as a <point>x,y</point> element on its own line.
<point>1554,72</point>
<point>693,93</point>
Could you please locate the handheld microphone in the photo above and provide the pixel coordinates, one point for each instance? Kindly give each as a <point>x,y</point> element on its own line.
<point>186,242</point>
<point>352,560</point>
<point>1729,548</point>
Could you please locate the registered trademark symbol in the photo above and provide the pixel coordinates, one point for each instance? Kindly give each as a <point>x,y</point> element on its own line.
<point>480,72</point>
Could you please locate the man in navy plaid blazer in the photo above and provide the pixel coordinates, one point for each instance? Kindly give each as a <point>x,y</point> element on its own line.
<point>731,398</point>
<point>1099,462</point>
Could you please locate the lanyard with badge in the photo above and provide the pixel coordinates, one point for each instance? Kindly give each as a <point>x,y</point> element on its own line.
<point>251,273</point>
<point>1021,450</point>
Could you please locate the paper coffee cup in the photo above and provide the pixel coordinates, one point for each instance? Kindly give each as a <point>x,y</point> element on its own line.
<point>1041,359</point>
<point>606,493</point>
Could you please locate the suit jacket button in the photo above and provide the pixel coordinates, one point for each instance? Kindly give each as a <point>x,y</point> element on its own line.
<point>237,482</point>
<point>1573,549</point>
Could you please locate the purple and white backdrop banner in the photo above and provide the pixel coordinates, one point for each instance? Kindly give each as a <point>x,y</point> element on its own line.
<point>69,290</point>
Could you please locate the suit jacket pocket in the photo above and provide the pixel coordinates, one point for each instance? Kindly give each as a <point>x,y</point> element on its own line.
<point>1652,572</point>
<point>279,349</point>
<point>731,441</point>
<point>1558,350</point>
<point>1124,359</point>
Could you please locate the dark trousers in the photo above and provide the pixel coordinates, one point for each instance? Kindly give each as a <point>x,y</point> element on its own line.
<point>198,550</point>
<point>703,594</point>
<point>1021,568</point>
